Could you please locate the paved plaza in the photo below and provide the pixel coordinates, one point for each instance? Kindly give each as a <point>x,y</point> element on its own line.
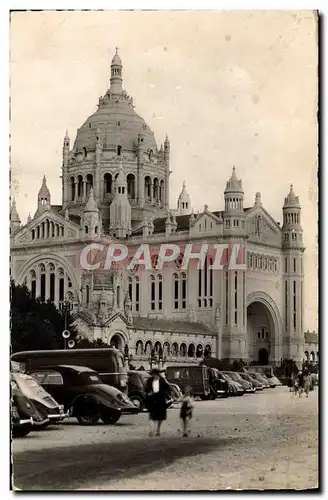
<point>267,440</point>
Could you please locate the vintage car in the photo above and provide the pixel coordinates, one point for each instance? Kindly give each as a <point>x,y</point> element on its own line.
<point>137,380</point>
<point>24,415</point>
<point>190,375</point>
<point>218,386</point>
<point>83,394</point>
<point>234,388</point>
<point>41,399</point>
<point>256,384</point>
<point>260,378</point>
<point>247,386</point>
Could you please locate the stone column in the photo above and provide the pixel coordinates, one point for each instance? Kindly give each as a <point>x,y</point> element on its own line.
<point>151,191</point>
<point>84,184</point>
<point>37,284</point>
<point>75,190</point>
<point>47,287</point>
<point>56,288</point>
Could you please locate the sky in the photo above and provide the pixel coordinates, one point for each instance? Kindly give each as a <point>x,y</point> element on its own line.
<point>229,88</point>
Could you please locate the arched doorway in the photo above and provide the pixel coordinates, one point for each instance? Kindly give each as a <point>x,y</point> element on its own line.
<point>263,356</point>
<point>261,333</point>
<point>117,341</point>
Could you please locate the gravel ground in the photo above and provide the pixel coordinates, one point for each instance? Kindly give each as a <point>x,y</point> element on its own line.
<point>267,440</point>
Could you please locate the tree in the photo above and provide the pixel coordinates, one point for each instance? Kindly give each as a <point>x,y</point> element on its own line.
<point>35,325</point>
<point>90,344</point>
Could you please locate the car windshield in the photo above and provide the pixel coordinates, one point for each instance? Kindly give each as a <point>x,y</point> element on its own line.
<point>233,376</point>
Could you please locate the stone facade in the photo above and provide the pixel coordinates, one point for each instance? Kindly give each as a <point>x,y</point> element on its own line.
<point>115,186</point>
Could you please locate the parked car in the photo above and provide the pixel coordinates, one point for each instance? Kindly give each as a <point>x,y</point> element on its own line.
<point>24,415</point>
<point>218,386</point>
<point>270,380</point>
<point>234,388</point>
<point>84,395</point>
<point>274,380</point>
<point>194,376</point>
<point>247,386</point>
<point>137,381</point>
<point>260,378</point>
<point>256,384</point>
<point>176,393</point>
<point>41,399</point>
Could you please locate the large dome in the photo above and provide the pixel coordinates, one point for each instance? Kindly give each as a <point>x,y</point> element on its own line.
<point>116,119</point>
<point>119,124</point>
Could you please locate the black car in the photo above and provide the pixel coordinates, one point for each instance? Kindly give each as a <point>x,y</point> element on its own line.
<point>43,401</point>
<point>80,390</point>
<point>24,415</point>
<point>137,380</point>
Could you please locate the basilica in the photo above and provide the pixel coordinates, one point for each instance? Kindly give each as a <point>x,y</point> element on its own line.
<point>116,187</point>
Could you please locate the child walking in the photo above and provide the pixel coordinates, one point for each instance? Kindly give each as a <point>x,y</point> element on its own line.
<point>186,411</point>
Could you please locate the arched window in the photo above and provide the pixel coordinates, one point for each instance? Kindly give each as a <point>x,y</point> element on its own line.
<point>89,183</point>
<point>156,189</point>
<point>147,188</point>
<point>72,184</point>
<point>199,351</point>
<point>156,292</point>
<point>205,284</point>
<point>80,186</point>
<point>86,229</point>
<point>183,349</point>
<point>148,347</point>
<point>85,153</point>
<point>207,351</point>
<point>166,349</point>
<point>175,349</point>
<point>134,292</point>
<point>180,290</point>
<point>131,186</point>
<point>119,150</point>
<point>139,348</point>
<point>107,183</point>
<point>191,351</point>
<point>161,191</point>
<point>157,347</point>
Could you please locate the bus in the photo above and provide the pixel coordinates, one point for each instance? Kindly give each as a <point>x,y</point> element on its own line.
<point>108,362</point>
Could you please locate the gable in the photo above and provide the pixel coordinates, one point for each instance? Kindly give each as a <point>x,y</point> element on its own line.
<point>261,227</point>
<point>118,319</point>
<point>47,226</point>
<point>206,223</point>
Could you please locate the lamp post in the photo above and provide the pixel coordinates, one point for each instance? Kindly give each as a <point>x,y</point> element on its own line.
<point>65,307</point>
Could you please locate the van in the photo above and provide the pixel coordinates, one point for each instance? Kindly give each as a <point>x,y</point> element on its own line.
<point>108,362</point>
<point>194,376</point>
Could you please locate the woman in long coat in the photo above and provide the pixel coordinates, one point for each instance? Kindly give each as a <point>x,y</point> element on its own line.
<point>157,389</point>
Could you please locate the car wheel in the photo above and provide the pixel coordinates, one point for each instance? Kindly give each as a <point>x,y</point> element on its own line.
<point>19,432</point>
<point>204,397</point>
<point>91,419</point>
<point>138,402</point>
<point>110,417</point>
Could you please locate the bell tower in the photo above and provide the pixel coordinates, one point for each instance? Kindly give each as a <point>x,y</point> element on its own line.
<point>293,249</point>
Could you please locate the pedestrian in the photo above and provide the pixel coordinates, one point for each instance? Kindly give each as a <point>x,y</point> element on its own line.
<point>306,382</point>
<point>157,389</point>
<point>299,383</point>
<point>290,382</point>
<point>186,411</point>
